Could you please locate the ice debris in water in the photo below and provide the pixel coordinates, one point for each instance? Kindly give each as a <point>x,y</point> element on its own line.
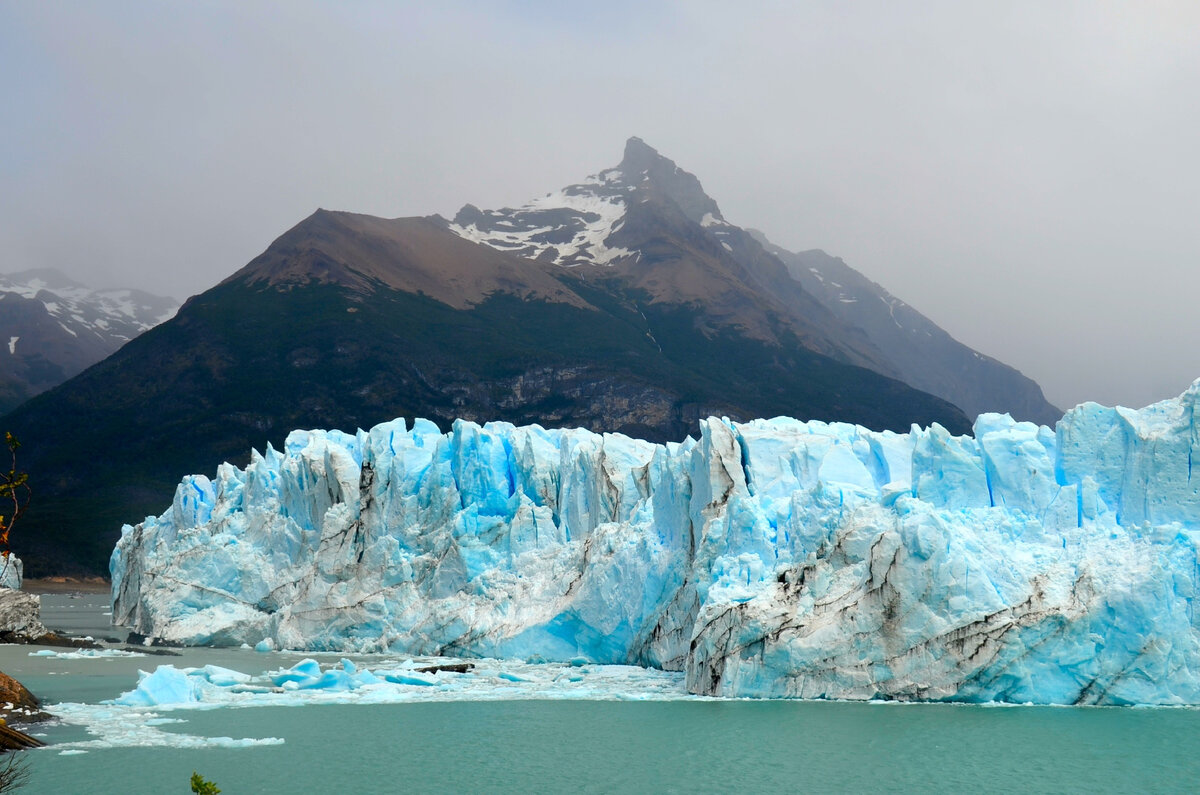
<point>85,654</point>
<point>383,680</point>
<point>121,726</point>
<point>768,558</point>
<point>134,717</point>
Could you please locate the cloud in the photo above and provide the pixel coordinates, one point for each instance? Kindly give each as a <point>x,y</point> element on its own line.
<point>1023,173</point>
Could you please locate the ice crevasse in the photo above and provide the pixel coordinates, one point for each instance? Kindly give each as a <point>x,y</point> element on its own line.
<point>768,558</point>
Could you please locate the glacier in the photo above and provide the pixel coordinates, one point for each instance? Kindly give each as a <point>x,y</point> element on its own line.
<point>771,558</point>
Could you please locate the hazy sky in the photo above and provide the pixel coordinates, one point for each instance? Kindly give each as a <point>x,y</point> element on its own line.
<point>1026,174</point>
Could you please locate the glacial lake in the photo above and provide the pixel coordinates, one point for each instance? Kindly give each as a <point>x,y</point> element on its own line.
<point>562,729</point>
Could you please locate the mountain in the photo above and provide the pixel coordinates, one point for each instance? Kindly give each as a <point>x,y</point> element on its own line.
<point>925,355</point>
<point>55,327</point>
<point>663,241</point>
<point>651,225</point>
<point>627,305</point>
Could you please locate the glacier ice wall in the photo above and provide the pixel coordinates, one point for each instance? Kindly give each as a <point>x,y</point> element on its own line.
<point>768,558</point>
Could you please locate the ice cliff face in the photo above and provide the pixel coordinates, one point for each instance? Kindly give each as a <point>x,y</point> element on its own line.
<point>771,558</point>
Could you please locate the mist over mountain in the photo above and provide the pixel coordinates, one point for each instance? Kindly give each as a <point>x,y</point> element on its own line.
<point>925,355</point>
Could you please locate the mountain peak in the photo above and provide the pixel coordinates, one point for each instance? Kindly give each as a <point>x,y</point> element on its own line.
<point>643,167</point>
<point>575,225</point>
<point>639,155</point>
<point>52,327</point>
<point>40,278</point>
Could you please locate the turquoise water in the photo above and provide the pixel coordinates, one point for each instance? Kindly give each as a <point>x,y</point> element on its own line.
<point>604,746</point>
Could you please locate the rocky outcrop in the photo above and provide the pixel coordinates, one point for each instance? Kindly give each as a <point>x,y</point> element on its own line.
<point>18,706</point>
<point>20,614</point>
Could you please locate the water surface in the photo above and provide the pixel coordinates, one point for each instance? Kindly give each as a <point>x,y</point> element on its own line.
<point>594,745</point>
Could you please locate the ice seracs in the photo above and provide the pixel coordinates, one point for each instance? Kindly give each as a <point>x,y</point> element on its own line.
<point>768,558</point>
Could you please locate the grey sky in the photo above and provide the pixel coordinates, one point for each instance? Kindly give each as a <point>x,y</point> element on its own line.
<point>1026,174</point>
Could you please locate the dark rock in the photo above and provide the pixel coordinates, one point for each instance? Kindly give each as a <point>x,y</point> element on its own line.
<point>18,705</point>
<point>143,643</point>
<point>454,668</point>
<point>157,652</point>
<point>48,639</point>
<point>16,740</point>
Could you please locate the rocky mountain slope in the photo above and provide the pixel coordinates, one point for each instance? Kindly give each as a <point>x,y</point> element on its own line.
<point>924,354</point>
<point>52,328</point>
<point>655,232</point>
<point>652,223</point>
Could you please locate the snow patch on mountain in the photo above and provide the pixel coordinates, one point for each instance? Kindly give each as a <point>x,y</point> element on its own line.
<point>568,227</point>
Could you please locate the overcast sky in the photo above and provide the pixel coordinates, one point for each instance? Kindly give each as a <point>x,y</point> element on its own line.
<point>1026,174</point>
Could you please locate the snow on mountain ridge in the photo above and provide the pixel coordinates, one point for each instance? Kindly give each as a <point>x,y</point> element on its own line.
<point>118,313</point>
<point>569,226</point>
<point>572,226</point>
<point>64,327</point>
<point>924,353</point>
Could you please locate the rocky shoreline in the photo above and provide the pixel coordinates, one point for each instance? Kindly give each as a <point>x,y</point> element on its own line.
<point>20,622</point>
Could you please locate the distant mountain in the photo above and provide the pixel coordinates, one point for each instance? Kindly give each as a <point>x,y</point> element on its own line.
<point>925,356</point>
<point>631,306</point>
<point>52,328</point>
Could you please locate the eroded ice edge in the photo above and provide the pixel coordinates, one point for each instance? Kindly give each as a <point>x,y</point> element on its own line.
<point>768,558</point>
<point>135,717</point>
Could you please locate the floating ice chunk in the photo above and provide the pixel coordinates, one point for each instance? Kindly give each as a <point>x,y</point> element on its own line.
<point>222,677</point>
<point>421,680</point>
<point>85,654</point>
<point>166,685</point>
<point>306,670</point>
<point>120,726</point>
